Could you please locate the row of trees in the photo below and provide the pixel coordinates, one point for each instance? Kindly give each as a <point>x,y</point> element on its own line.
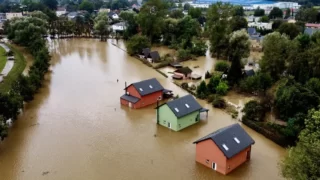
<point>26,32</point>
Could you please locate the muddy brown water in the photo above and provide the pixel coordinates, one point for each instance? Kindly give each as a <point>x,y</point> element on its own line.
<point>76,129</point>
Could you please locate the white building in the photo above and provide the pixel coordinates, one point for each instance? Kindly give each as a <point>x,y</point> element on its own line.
<point>121,26</point>
<point>260,25</point>
<point>61,11</point>
<point>13,15</point>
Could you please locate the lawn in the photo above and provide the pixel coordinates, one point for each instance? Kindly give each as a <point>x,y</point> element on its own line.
<point>3,58</point>
<point>16,70</point>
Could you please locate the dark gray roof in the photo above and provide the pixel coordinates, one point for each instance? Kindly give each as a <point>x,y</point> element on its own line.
<point>154,55</point>
<point>184,106</point>
<point>226,139</point>
<point>147,86</point>
<point>252,30</point>
<point>146,52</point>
<point>130,98</point>
<point>249,72</point>
<point>184,70</point>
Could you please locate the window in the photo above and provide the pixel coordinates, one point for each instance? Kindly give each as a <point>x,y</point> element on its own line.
<point>176,109</point>
<point>237,140</point>
<point>150,86</point>
<point>141,89</point>
<point>187,106</point>
<point>225,147</point>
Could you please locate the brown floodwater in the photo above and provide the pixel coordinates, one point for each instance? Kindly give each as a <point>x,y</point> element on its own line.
<point>76,129</point>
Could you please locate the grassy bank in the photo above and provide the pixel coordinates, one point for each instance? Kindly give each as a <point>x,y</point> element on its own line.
<point>3,58</point>
<point>16,70</point>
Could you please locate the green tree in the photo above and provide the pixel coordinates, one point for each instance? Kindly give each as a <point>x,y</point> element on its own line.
<point>253,111</point>
<point>276,13</point>
<point>239,48</point>
<point>151,18</point>
<point>309,15</point>
<point>170,32</point>
<point>222,88</point>
<point>199,47</point>
<point>238,23</point>
<point>177,14</point>
<point>51,4</point>
<point>314,85</point>
<point>137,43</point>
<point>238,11</point>
<point>202,90</point>
<point>183,54</point>
<point>187,28</point>
<point>87,6</point>
<point>3,129</point>
<point>101,25</point>
<point>276,24</point>
<point>221,66</point>
<point>132,26</point>
<point>213,83</point>
<point>186,6</point>
<point>264,19</point>
<point>259,12</point>
<point>195,13</point>
<point>276,49</point>
<point>260,82</point>
<point>218,20</point>
<point>289,29</point>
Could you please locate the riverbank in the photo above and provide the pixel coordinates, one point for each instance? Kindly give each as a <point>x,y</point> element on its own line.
<point>3,59</point>
<point>17,69</point>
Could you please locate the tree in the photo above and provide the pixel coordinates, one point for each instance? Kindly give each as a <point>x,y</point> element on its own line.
<point>183,54</point>
<point>292,98</point>
<point>195,13</point>
<point>222,88</point>
<point>87,6</point>
<point>51,4</point>
<point>151,18</point>
<point>186,6</point>
<point>309,15</point>
<point>276,24</point>
<point>253,111</point>
<point>239,45</point>
<point>187,28</point>
<point>313,84</point>
<point>218,20</point>
<point>238,23</point>
<point>264,19</point>
<point>202,90</point>
<point>238,11</point>
<point>302,161</point>
<point>101,25</point>
<point>276,13</point>
<point>276,49</point>
<point>213,83</point>
<point>222,66</point>
<point>3,129</point>
<point>132,26</point>
<point>137,43</point>
<point>259,12</point>
<point>199,47</point>
<point>260,82</point>
<point>289,29</point>
<point>170,32</point>
<point>218,102</point>
<point>176,14</point>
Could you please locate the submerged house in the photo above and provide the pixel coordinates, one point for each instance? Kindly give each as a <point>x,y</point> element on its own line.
<point>225,149</point>
<point>183,73</point>
<point>143,93</point>
<point>179,113</point>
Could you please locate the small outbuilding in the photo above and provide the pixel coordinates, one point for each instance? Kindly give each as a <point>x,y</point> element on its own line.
<point>153,57</point>
<point>179,113</point>
<point>145,52</point>
<point>225,149</point>
<point>184,72</point>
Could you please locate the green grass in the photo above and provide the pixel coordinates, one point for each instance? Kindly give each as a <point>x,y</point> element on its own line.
<point>3,58</point>
<point>17,69</point>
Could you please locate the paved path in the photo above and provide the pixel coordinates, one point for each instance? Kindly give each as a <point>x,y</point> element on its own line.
<point>7,68</point>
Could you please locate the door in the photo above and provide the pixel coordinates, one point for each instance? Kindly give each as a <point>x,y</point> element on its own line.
<point>169,125</point>
<point>130,105</point>
<point>214,166</point>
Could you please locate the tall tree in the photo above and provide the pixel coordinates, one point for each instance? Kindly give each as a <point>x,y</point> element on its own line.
<point>151,18</point>
<point>259,12</point>
<point>276,13</point>
<point>51,4</point>
<point>86,5</point>
<point>290,29</point>
<point>131,22</point>
<point>194,12</point>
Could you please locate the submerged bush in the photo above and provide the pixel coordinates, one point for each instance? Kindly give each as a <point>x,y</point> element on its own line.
<point>218,102</point>
<point>221,66</point>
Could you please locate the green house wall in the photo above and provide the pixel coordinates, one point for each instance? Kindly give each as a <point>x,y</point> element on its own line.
<point>166,116</point>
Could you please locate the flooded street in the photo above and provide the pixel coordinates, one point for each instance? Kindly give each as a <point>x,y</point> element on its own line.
<point>76,129</point>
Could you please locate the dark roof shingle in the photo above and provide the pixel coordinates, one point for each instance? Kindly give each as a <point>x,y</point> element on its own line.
<point>130,98</point>
<point>147,86</point>
<point>227,139</point>
<point>184,106</point>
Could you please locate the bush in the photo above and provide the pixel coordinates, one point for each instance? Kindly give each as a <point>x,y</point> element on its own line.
<point>184,85</point>
<point>222,88</point>
<point>218,102</point>
<point>254,111</point>
<point>211,98</point>
<point>137,43</point>
<point>257,83</point>
<point>199,48</point>
<point>221,66</point>
<point>202,90</point>
<point>183,55</point>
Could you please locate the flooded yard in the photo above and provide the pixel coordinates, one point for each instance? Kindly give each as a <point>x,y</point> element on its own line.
<point>76,128</point>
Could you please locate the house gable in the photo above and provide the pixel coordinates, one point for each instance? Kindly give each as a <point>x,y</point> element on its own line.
<point>133,91</point>
<point>166,115</point>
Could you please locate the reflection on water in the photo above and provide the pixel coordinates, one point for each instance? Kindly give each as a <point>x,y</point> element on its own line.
<point>77,129</point>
